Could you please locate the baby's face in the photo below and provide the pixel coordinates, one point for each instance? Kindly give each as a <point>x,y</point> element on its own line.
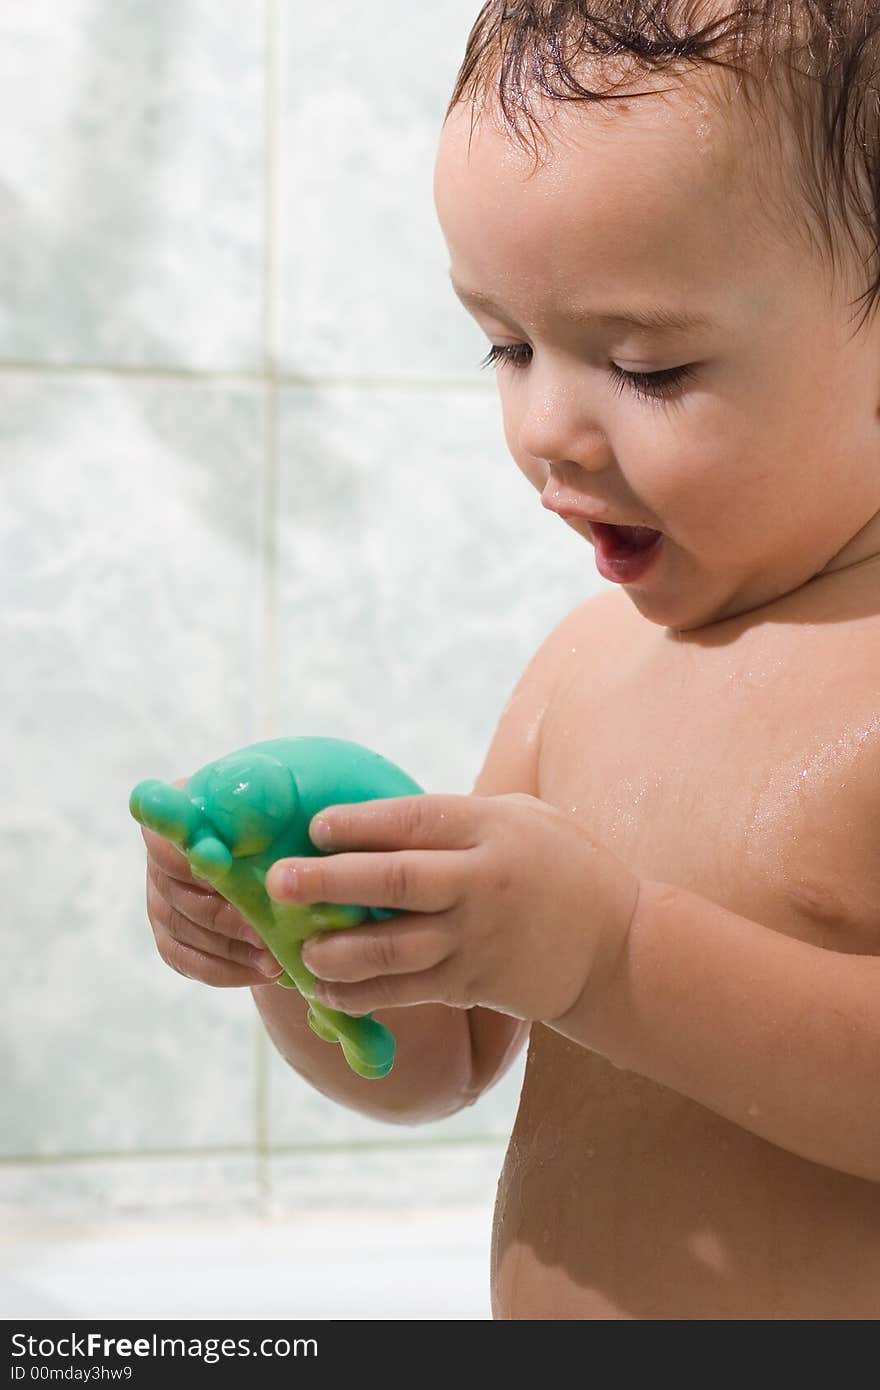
<point>760,461</point>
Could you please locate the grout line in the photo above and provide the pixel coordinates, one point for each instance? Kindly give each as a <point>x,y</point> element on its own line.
<point>271,189</point>
<point>339,1146</point>
<point>289,380</point>
<point>261,1105</point>
<point>267,656</point>
<point>267,718</point>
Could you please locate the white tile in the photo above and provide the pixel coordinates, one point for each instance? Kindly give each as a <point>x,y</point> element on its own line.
<point>131,196</point>
<point>410,1174</point>
<point>364,268</point>
<point>49,1199</point>
<point>401,1172</point>
<point>128,539</point>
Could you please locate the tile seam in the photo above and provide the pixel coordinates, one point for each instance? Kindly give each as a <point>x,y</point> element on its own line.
<point>275,1151</point>
<point>258,377</point>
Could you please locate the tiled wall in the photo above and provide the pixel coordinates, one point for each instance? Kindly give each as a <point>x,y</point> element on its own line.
<point>252,484</point>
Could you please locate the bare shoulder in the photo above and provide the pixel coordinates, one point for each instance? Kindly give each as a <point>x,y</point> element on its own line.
<point>605,615</point>
<point>512,761</point>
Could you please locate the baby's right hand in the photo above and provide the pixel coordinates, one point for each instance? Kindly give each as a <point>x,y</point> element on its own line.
<point>198,933</point>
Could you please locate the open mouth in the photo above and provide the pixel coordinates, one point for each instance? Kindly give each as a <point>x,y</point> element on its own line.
<point>629,539</point>
<point>625,553</point>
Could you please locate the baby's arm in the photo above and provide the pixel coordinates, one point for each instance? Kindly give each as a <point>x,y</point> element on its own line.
<point>778,1035</point>
<point>446,1057</point>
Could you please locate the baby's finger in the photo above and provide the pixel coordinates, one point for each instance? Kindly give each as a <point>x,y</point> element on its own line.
<point>386,992</point>
<point>175,932</point>
<point>204,907</point>
<point>409,879</point>
<point>404,946</point>
<point>167,856</point>
<point>207,969</point>
<point>430,821</point>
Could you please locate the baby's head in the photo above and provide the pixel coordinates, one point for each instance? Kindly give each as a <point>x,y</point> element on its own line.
<point>625,158</point>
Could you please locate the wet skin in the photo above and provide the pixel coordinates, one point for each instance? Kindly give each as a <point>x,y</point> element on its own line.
<point>715,724</point>
<point>741,763</point>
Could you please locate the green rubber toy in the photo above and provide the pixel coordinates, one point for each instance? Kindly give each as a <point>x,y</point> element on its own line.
<point>236,816</point>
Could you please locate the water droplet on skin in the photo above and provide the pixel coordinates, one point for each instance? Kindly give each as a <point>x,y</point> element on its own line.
<point>534,727</point>
<point>707,1247</point>
<point>781,801</point>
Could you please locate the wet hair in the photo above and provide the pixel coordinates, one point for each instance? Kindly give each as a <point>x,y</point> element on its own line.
<point>812,65</point>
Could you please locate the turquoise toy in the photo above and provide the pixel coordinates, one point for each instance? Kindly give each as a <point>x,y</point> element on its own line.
<point>236,816</point>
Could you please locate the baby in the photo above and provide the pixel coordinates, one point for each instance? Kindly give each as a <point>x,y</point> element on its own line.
<point>673,891</point>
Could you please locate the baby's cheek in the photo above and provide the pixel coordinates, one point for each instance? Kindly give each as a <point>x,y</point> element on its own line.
<point>535,469</point>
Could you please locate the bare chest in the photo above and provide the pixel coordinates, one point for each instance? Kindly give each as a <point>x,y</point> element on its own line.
<point>744,771</point>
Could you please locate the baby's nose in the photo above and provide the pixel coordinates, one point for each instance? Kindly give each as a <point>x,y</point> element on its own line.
<point>558,426</point>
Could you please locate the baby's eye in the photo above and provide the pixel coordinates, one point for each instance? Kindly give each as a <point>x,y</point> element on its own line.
<point>651,384</point>
<point>514,355</point>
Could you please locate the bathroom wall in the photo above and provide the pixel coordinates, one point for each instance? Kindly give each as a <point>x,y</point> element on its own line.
<point>253,483</point>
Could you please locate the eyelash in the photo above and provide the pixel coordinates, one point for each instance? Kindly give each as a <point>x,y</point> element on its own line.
<point>651,385</point>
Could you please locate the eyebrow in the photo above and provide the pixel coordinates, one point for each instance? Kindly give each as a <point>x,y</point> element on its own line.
<point>655,319</point>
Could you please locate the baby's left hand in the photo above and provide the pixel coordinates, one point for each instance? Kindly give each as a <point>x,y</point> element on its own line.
<point>504,901</point>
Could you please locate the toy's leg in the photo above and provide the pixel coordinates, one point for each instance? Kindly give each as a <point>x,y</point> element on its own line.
<point>368,1046</point>
<point>211,860</point>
